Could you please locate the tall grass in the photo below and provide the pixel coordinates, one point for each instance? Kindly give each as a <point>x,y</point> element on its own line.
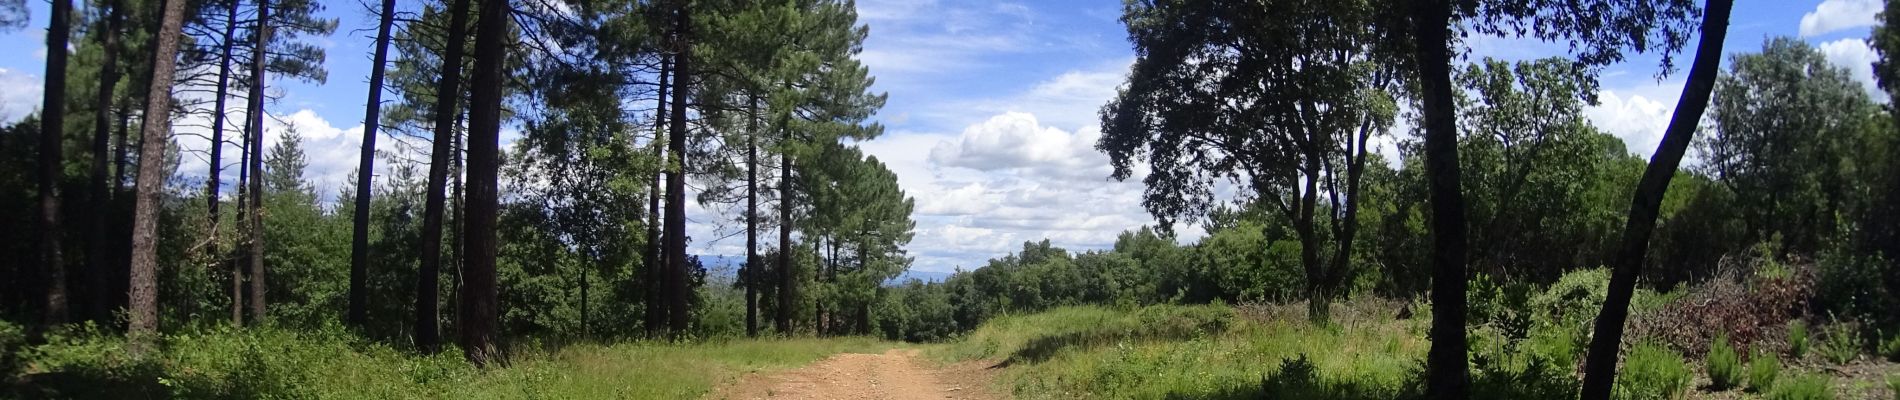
<point>331,364</point>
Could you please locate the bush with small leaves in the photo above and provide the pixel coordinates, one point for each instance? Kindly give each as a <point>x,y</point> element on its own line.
<point>1804,387</point>
<point>1762,371</point>
<point>1725,367</point>
<point>1841,345</point>
<point>1890,348</point>
<point>1653,372</point>
<point>1893,386</point>
<point>1797,339</point>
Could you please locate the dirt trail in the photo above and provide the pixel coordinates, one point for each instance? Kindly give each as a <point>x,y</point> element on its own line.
<point>896,374</point>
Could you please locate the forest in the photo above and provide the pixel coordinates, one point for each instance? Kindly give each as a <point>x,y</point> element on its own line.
<point>517,221</point>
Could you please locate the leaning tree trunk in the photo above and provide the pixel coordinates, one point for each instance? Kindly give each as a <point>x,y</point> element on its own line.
<point>1447,371</point>
<point>216,164</point>
<point>655,273</point>
<point>256,115</point>
<point>448,93</point>
<point>479,308</point>
<point>52,123</point>
<point>142,323</point>
<point>365,167</point>
<point>1600,366</point>
<point>677,292</point>
<point>100,192</point>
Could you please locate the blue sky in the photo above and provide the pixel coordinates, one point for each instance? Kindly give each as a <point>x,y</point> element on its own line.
<point>992,113</point>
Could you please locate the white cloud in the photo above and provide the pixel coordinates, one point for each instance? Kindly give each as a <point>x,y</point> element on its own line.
<point>19,94</point>
<point>1836,15</point>
<point>1638,115</point>
<point>1854,55</point>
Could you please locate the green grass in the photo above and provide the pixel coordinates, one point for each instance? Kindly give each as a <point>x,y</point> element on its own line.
<point>268,363</point>
<point>1200,352</point>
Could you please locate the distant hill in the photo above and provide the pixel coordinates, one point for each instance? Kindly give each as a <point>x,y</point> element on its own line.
<point>725,268</point>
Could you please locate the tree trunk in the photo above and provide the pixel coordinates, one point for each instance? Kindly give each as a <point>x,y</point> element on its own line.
<point>1447,371</point>
<point>479,309</point>
<point>750,276</point>
<point>142,324</point>
<point>655,273</point>
<point>99,196</point>
<point>243,214</point>
<point>677,292</point>
<point>365,170</point>
<point>256,114</point>
<point>52,124</point>
<point>215,179</point>
<point>448,90</point>
<point>119,157</point>
<point>1600,366</point>
<point>787,278</point>
<point>1318,299</point>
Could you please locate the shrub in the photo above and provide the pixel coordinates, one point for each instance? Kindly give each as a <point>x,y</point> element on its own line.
<point>1803,387</point>
<point>1725,367</point>
<point>1890,348</point>
<point>1797,339</point>
<point>1762,371</point>
<point>1893,386</point>
<point>1653,372</point>
<point>1841,345</point>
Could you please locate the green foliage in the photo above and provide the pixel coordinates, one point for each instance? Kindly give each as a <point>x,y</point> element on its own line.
<point>1652,371</point>
<point>1893,386</point>
<point>1803,387</point>
<point>1890,348</point>
<point>1840,343</point>
<point>1763,369</point>
<point>1797,338</point>
<point>1724,365</point>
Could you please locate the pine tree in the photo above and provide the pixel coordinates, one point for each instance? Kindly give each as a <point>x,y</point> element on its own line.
<point>142,326</point>
<point>359,239</point>
<point>52,124</point>
<point>479,309</point>
<point>448,95</point>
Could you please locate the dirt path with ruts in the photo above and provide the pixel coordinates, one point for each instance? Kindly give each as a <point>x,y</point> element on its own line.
<point>897,374</point>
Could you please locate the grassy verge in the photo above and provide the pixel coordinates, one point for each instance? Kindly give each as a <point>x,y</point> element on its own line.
<point>267,363</point>
<point>1177,352</point>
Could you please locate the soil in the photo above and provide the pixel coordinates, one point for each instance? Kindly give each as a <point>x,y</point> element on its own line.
<point>895,374</point>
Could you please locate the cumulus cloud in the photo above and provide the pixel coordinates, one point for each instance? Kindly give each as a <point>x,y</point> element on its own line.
<point>1836,15</point>
<point>19,94</point>
<point>1638,115</point>
<point>1017,142</point>
<point>1855,55</point>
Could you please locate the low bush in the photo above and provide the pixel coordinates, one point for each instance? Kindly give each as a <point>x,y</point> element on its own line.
<point>1890,348</point>
<point>1803,387</point>
<point>1725,367</point>
<point>1797,339</point>
<point>1762,371</point>
<point>1841,345</point>
<point>1652,372</point>
<point>1893,386</point>
<point>1749,309</point>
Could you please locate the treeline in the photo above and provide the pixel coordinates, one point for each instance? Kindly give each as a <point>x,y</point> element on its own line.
<point>577,230</point>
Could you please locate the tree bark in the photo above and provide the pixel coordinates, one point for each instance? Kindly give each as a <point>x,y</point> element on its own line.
<point>479,308</point>
<point>787,278</point>
<point>1446,363</point>
<point>215,179</point>
<point>365,170</point>
<point>243,214</point>
<point>448,94</point>
<point>142,324</point>
<point>52,124</point>
<point>655,272</point>
<point>100,194</point>
<point>256,115</point>
<point>751,273</point>
<point>678,316</point>
<point>1600,365</point>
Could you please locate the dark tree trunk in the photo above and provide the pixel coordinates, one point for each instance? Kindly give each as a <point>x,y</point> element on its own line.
<point>100,194</point>
<point>52,123</point>
<point>479,309</point>
<point>142,324</point>
<point>216,176</point>
<point>243,214</point>
<point>787,278</point>
<point>1600,366</point>
<point>256,114</point>
<point>365,170</point>
<point>1447,371</point>
<point>448,94</point>
<point>120,157</point>
<point>751,274</point>
<point>677,292</point>
<point>655,272</point>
